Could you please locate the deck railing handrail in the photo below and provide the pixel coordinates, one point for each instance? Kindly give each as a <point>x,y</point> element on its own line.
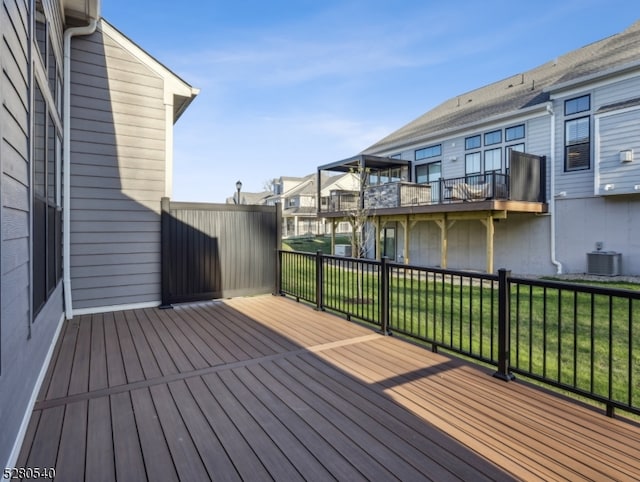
<point>579,338</point>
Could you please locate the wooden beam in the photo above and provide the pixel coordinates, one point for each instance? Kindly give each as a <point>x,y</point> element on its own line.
<point>334,226</point>
<point>405,225</point>
<point>444,240</point>
<point>488,222</point>
<point>377,241</point>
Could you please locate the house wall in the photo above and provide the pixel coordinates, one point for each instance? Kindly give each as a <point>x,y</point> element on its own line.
<point>25,340</point>
<point>117,176</point>
<point>581,183</point>
<point>615,221</point>
<point>617,131</point>
<point>521,244</point>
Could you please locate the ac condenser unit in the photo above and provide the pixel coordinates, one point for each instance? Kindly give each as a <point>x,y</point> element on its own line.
<point>604,263</point>
<point>343,250</point>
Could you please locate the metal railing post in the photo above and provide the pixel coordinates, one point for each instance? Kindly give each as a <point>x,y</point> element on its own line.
<point>278,288</point>
<point>384,296</point>
<point>319,281</point>
<point>504,328</point>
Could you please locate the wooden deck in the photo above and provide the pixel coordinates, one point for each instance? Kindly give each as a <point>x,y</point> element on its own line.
<point>265,388</point>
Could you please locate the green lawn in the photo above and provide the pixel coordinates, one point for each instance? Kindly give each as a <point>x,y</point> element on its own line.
<point>311,244</point>
<point>590,342</point>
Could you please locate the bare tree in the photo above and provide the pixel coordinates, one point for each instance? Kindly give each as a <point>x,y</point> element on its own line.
<point>359,215</point>
<point>362,232</point>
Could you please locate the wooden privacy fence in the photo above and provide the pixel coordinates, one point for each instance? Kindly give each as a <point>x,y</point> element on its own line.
<point>218,250</point>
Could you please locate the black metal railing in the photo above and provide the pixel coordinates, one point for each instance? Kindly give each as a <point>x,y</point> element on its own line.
<point>475,187</point>
<point>579,338</point>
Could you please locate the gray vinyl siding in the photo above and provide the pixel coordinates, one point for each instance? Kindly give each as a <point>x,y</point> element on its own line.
<point>117,176</point>
<point>538,141</point>
<point>618,132</point>
<point>24,342</point>
<point>581,183</point>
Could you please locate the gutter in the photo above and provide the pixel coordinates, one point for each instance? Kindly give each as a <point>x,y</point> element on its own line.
<point>66,159</point>
<point>552,189</point>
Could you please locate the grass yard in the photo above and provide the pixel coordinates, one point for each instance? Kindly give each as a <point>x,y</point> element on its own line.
<point>590,342</point>
<point>311,244</point>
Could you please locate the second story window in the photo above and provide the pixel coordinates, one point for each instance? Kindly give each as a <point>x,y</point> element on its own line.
<point>427,152</point>
<point>577,144</point>
<point>472,142</point>
<point>493,160</point>
<point>472,163</point>
<point>577,105</point>
<point>513,133</point>
<point>494,137</point>
<point>577,134</point>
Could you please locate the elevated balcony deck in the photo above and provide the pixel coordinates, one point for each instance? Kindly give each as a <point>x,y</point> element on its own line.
<point>521,190</point>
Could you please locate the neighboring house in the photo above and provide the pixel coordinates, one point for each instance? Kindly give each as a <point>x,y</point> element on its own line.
<point>86,134</point>
<point>249,198</point>
<point>530,173</point>
<point>298,197</point>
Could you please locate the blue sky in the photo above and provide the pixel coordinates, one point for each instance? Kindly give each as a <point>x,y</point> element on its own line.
<point>286,86</point>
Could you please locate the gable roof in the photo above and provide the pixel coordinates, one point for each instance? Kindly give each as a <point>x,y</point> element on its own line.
<point>522,92</point>
<point>177,91</point>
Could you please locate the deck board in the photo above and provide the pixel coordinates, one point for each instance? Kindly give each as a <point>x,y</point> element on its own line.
<point>99,457</point>
<point>266,388</point>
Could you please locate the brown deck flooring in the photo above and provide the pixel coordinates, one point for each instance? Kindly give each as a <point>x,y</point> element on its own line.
<point>265,388</point>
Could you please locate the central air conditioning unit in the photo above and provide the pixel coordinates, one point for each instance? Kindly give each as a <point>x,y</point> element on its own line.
<point>604,263</point>
<point>343,250</point>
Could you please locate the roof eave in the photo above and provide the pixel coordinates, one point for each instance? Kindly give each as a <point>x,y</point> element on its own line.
<point>84,10</point>
<point>436,135</point>
<point>594,77</point>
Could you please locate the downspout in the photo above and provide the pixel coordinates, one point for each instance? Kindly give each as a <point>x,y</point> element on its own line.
<point>66,161</point>
<point>552,190</point>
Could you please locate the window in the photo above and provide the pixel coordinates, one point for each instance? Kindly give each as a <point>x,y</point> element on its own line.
<point>577,134</point>
<point>508,149</point>
<point>472,142</point>
<point>577,105</point>
<point>493,160</point>
<point>427,152</point>
<point>494,137</point>
<point>513,133</point>
<point>428,172</point>
<point>577,144</point>
<point>46,219</point>
<point>472,163</point>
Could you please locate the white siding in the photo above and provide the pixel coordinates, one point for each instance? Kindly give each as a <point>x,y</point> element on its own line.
<point>117,177</point>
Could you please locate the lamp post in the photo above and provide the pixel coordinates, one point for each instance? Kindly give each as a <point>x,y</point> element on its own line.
<point>238,187</point>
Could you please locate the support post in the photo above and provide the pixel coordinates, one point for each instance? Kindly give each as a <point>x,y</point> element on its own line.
<point>504,327</point>
<point>278,220</point>
<point>166,266</point>
<point>490,236</point>
<point>384,296</point>
<point>319,281</point>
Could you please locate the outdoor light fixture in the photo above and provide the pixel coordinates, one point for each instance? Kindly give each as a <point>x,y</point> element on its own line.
<point>238,187</point>
<point>609,187</point>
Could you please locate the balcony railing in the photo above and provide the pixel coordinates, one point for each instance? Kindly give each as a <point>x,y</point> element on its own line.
<point>579,338</point>
<point>397,194</point>
<point>403,194</point>
<point>525,181</point>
